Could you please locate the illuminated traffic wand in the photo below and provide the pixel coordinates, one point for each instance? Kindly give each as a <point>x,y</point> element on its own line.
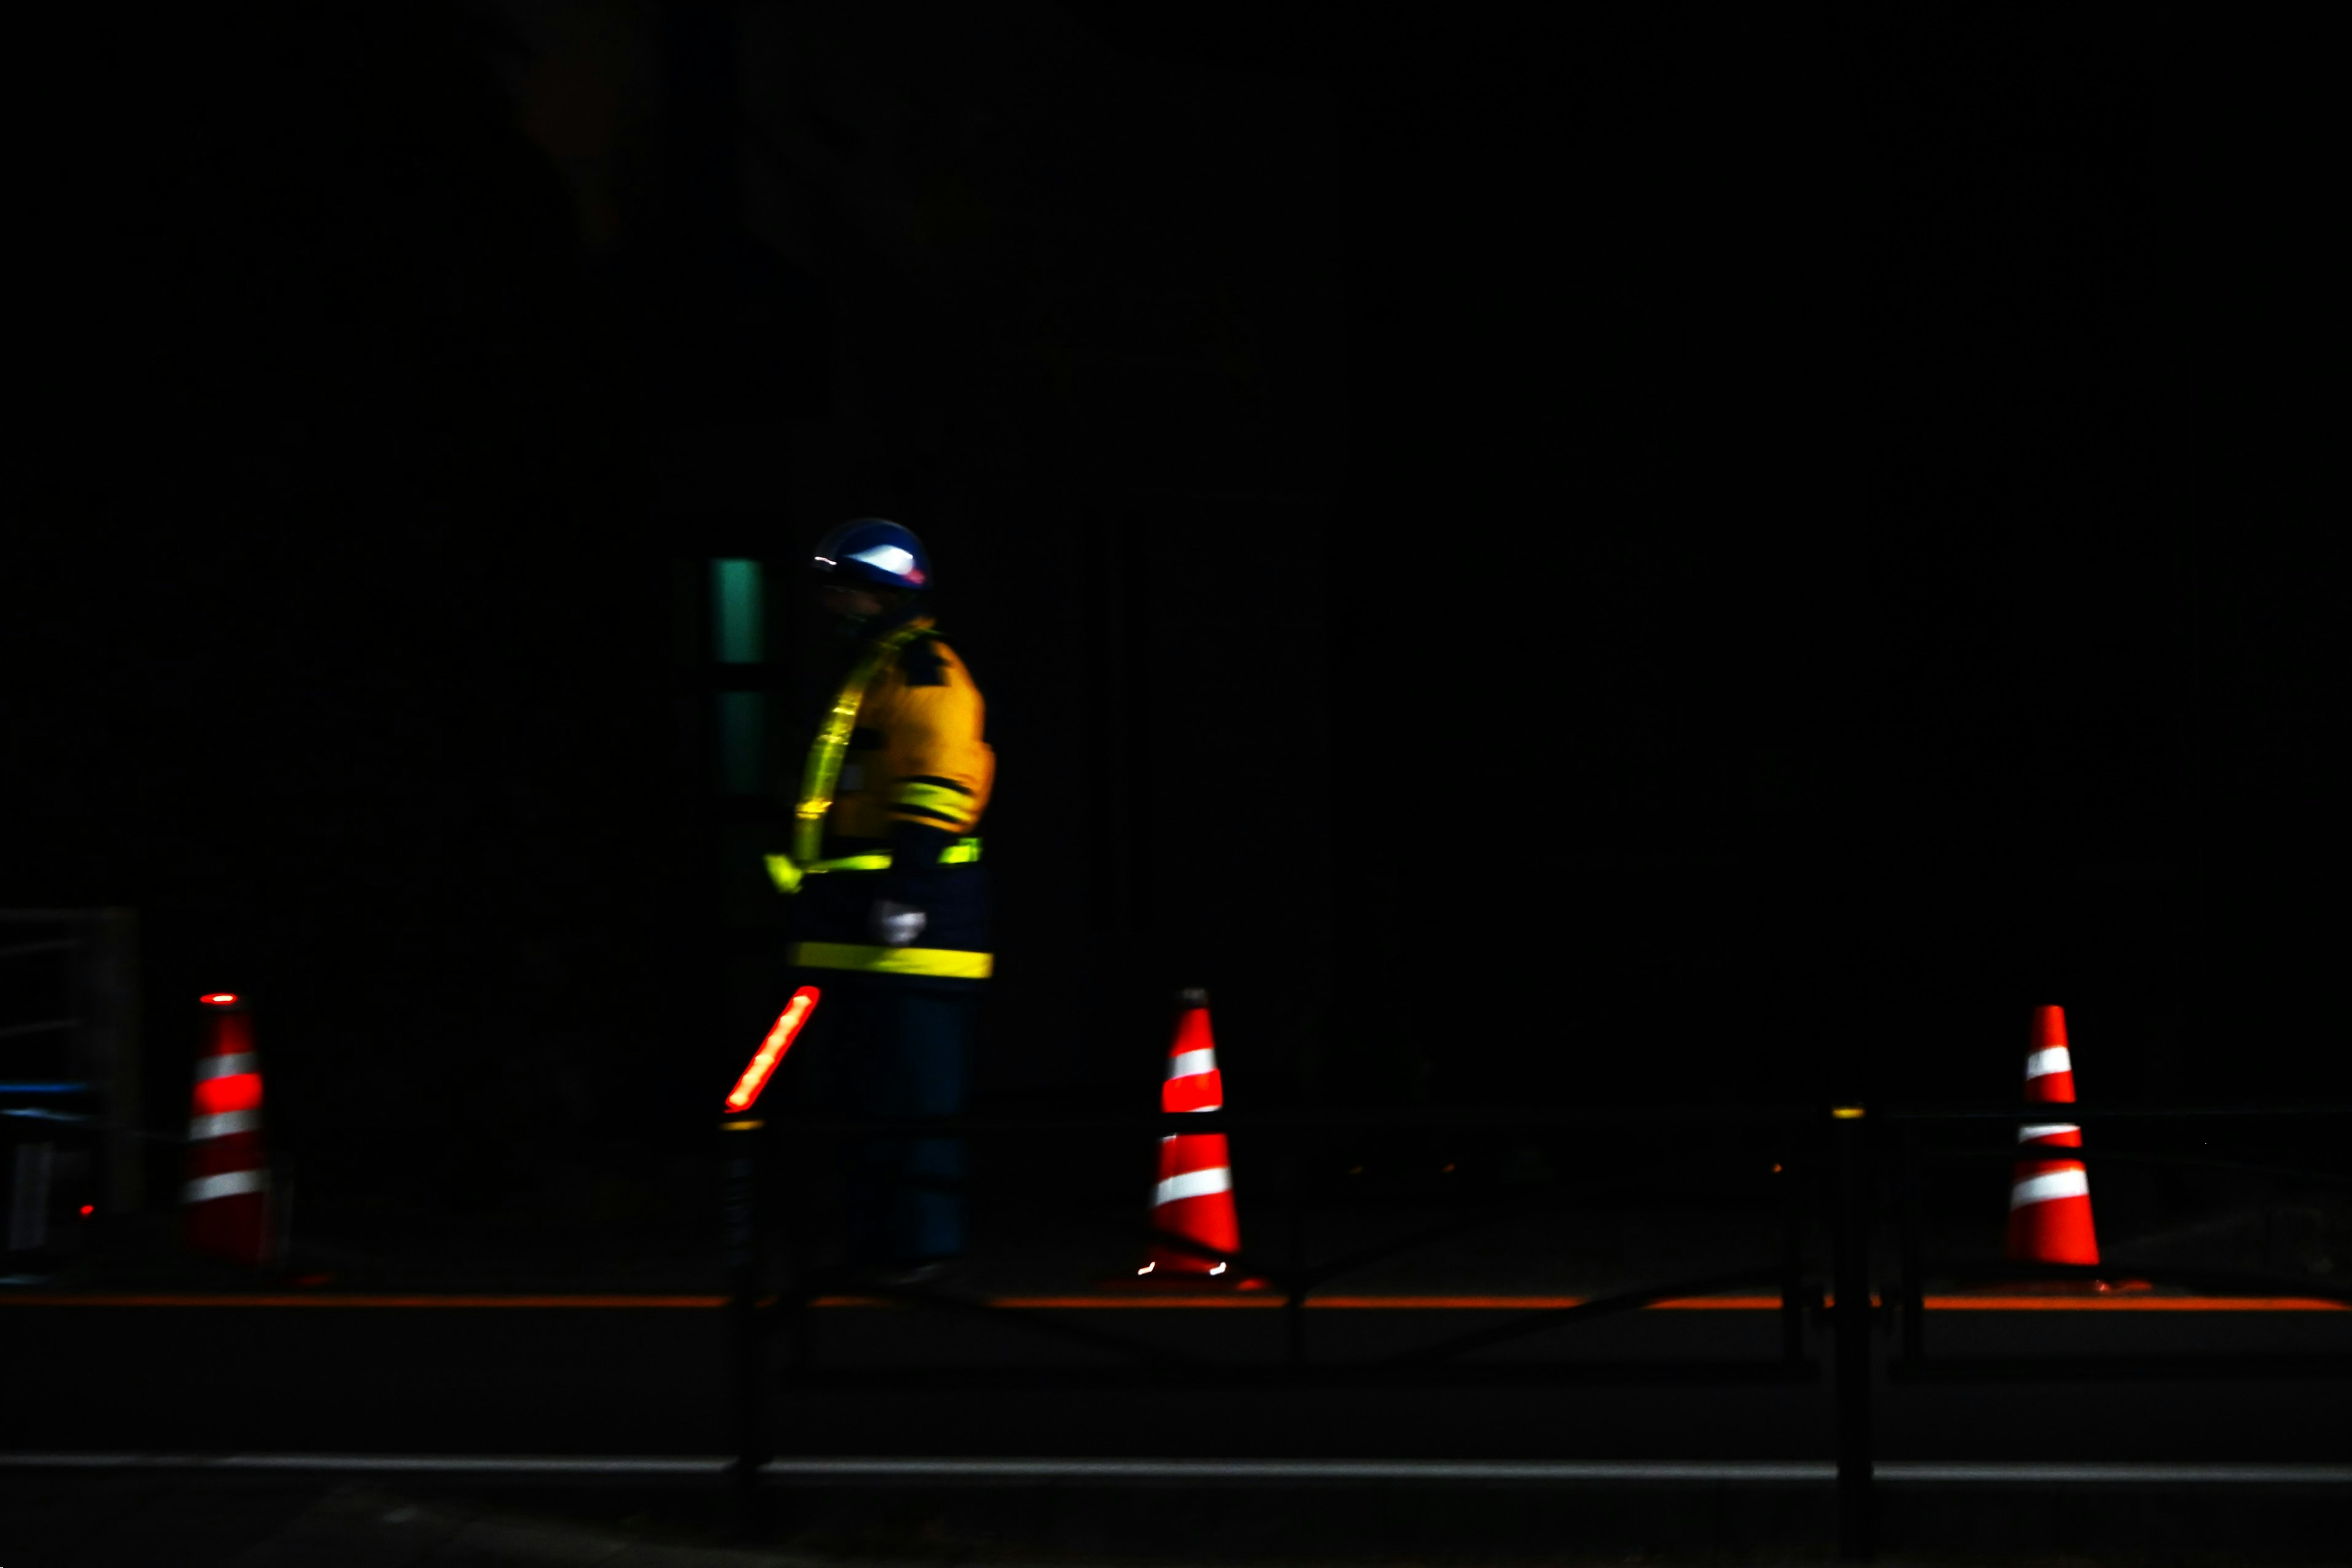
<point>771,1049</point>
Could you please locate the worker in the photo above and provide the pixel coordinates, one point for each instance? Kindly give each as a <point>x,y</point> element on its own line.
<point>888,914</point>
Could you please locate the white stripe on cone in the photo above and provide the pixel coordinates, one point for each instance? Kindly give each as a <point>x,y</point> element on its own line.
<point>2032,1130</point>
<point>2049,1187</point>
<point>230,1066</point>
<point>1193,1184</point>
<point>227,1184</point>
<point>2049,1059</point>
<point>1192,1064</point>
<point>222,1124</point>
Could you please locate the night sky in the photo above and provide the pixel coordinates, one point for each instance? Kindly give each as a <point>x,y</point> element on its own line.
<point>1588,554</point>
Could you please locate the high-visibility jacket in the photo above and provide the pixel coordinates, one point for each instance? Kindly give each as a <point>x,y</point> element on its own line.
<point>899,769</point>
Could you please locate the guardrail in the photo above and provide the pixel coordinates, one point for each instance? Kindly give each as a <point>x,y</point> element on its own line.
<point>69,1061</point>
<point>1832,1165</point>
<point>1910,1157</point>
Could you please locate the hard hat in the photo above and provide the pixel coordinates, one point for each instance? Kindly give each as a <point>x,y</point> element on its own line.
<point>875,553</point>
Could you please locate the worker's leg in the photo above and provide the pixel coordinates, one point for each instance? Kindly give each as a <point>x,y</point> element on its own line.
<point>824,1172</point>
<point>908,1203</point>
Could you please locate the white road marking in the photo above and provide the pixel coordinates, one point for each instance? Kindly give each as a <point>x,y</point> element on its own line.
<point>1921,1471</point>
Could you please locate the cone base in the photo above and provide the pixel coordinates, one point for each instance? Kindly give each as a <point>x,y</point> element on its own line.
<point>2058,1231</point>
<point>235,1229</point>
<point>1163,1279</point>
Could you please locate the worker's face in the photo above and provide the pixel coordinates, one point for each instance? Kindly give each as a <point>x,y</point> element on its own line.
<point>849,603</point>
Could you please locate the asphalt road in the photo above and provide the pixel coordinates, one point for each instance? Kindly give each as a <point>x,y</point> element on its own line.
<point>325,1382</point>
<point>653,1379</point>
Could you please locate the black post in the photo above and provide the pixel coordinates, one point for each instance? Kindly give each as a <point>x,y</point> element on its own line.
<point>1852,1317</point>
<point>1914,1288</point>
<point>1793,1252</point>
<point>746,1358</point>
<point>1294,1304</point>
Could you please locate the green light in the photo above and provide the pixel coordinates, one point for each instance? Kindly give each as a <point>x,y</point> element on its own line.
<point>735,620</point>
<point>736,638</point>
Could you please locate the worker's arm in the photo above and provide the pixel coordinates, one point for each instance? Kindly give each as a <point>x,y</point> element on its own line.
<point>942,771</point>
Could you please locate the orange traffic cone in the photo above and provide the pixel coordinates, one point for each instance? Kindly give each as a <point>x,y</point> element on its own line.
<point>2050,1199</point>
<point>1194,1197</point>
<point>226,1199</point>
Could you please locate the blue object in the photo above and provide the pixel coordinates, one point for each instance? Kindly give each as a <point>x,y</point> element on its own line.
<point>883,1051</point>
<point>877,553</point>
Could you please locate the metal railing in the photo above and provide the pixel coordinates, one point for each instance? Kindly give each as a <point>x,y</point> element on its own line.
<point>1831,1166</point>
<point>1910,1157</point>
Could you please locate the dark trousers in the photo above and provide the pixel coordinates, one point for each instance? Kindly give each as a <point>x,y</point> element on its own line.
<point>888,1051</point>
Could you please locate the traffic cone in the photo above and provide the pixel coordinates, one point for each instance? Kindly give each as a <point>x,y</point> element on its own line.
<point>227,1200</point>
<point>2050,1199</point>
<point>1194,1197</point>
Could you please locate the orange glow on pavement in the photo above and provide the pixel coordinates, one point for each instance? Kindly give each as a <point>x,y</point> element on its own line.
<point>1265,1301</point>
<point>2133,1304</point>
<point>378,1302</point>
<point>771,1049</point>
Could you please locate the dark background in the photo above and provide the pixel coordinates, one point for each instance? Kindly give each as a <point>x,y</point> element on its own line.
<point>1627,554</point>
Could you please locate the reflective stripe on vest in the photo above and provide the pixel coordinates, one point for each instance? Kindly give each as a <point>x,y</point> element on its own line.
<point>942,962</point>
<point>788,877</point>
<point>823,770</point>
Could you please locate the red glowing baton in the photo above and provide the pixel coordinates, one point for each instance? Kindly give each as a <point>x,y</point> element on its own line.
<point>771,1049</point>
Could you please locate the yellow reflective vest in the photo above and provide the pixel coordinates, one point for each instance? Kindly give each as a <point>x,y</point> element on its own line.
<point>903,743</point>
